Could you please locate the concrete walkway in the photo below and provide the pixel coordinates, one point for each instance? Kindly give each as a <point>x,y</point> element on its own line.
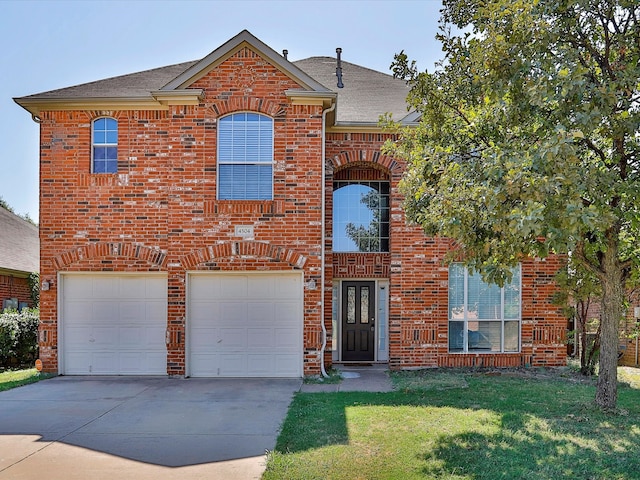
<point>355,379</point>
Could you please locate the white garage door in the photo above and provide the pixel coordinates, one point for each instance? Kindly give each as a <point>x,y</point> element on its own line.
<point>245,325</point>
<point>114,324</point>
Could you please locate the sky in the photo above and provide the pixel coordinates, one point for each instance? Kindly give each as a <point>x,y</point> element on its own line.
<point>49,44</point>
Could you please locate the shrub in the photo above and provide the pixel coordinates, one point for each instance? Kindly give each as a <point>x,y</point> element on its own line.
<point>18,338</point>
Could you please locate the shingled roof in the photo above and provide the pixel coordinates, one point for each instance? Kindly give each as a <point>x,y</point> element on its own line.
<point>366,95</point>
<point>19,244</point>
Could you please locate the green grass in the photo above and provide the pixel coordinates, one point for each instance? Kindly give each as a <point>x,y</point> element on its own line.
<point>16,378</point>
<point>462,426</point>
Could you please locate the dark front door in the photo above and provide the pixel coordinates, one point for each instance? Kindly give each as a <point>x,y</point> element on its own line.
<point>358,321</point>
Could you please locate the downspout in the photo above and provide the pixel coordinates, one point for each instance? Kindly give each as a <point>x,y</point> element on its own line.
<point>322,235</point>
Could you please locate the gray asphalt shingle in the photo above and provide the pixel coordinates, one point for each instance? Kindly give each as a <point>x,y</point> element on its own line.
<point>366,95</point>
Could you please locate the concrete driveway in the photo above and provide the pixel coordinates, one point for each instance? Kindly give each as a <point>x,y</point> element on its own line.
<point>141,428</point>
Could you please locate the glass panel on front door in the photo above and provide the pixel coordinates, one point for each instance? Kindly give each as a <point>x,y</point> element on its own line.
<point>358,321</point>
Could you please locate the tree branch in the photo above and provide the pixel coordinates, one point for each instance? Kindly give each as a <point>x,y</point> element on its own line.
<point>593,147</point>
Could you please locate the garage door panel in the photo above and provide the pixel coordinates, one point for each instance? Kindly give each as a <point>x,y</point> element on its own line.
<point>231,311</point>
<point>202,311</point>
<point>286,313</point>
<point>241,330</point>
<point>288,287</point>
<point>114,324</point>
<point>103,311</point>
<point>232,339</point>
<point>104,337</point>
<point>78,362</point>
<point>77,288</point>
<point>133,312</point>
<point>76,336</point>
<point>260,365</point>
<point>133,337</point>
<point>233,287</point>
<point>260,287</point>
<point>105,287</point>
<point>261,313</point>
<point>233,364</point>
<point>103,363</point>
<point>260,338</point>
<point>202,338</point>
<point>132,288</point>
<point>205,290</point>
<point>205,364</point>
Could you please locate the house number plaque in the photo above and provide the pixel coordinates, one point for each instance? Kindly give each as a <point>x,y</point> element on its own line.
<point>244,230</point>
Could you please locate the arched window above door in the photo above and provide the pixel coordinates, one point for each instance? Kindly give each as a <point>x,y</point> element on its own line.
<point>361,216</point>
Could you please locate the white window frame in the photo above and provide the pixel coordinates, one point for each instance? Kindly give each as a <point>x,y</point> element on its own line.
<point>466,318</point>
<point>233,161</point>
<point>94,144</point>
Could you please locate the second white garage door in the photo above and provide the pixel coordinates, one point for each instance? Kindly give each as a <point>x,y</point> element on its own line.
<point>245,325</point>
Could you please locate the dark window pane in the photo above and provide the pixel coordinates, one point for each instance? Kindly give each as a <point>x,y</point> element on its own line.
<point>364,305</point>
<point>351,304</point>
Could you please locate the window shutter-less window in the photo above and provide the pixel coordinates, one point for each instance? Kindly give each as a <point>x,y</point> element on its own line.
<point>105,145</point>
<point>245,157</point>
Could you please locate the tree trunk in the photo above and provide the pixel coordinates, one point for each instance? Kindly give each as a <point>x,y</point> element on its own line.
<point>612,277</point>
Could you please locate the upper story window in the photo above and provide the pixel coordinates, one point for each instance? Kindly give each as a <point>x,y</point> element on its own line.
<point>105,145</point>
<point>360,216</point>
<point>483,317</point>
<point>245,157</point>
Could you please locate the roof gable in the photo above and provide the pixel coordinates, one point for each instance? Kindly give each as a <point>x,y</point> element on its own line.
<point>229,48</point>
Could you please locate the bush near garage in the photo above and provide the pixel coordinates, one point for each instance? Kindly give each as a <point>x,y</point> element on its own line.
<point>18,338</point>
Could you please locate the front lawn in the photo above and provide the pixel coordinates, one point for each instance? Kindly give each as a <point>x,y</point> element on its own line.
<point>16,378</point>
<point>462,425</point>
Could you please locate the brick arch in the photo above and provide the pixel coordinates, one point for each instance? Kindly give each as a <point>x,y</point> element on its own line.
<point>243,248</point>
<point>252,104</point>
<point>94,114</point>
<point>111,249</point>
<point>372,157</point>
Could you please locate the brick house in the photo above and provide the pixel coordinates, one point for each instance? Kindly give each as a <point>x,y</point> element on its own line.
<point>234,216</point>
<point>19,258</point>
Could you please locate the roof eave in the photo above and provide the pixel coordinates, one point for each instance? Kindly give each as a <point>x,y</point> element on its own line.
<point>307,97</point>
<point>17,273</point>
<point>155,101</point>
<point>362,127</point>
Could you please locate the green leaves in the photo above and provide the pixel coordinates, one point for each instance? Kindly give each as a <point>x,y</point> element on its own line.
<point>529,126</point>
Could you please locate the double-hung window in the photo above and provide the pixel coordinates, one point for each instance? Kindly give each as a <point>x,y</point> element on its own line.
<point>245,157</point>
<point>105,145</point>
<point>483,317</point>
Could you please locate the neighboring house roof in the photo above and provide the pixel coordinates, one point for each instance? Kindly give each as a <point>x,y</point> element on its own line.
<point>366,95</point>
<point>19,244</point>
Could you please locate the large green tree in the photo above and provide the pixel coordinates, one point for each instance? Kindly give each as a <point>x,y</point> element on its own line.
<point>528,142</point>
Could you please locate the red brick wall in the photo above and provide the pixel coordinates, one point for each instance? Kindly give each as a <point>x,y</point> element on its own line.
<point>15,287</point>
<point>418,274</point>
<point>160,213</point>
